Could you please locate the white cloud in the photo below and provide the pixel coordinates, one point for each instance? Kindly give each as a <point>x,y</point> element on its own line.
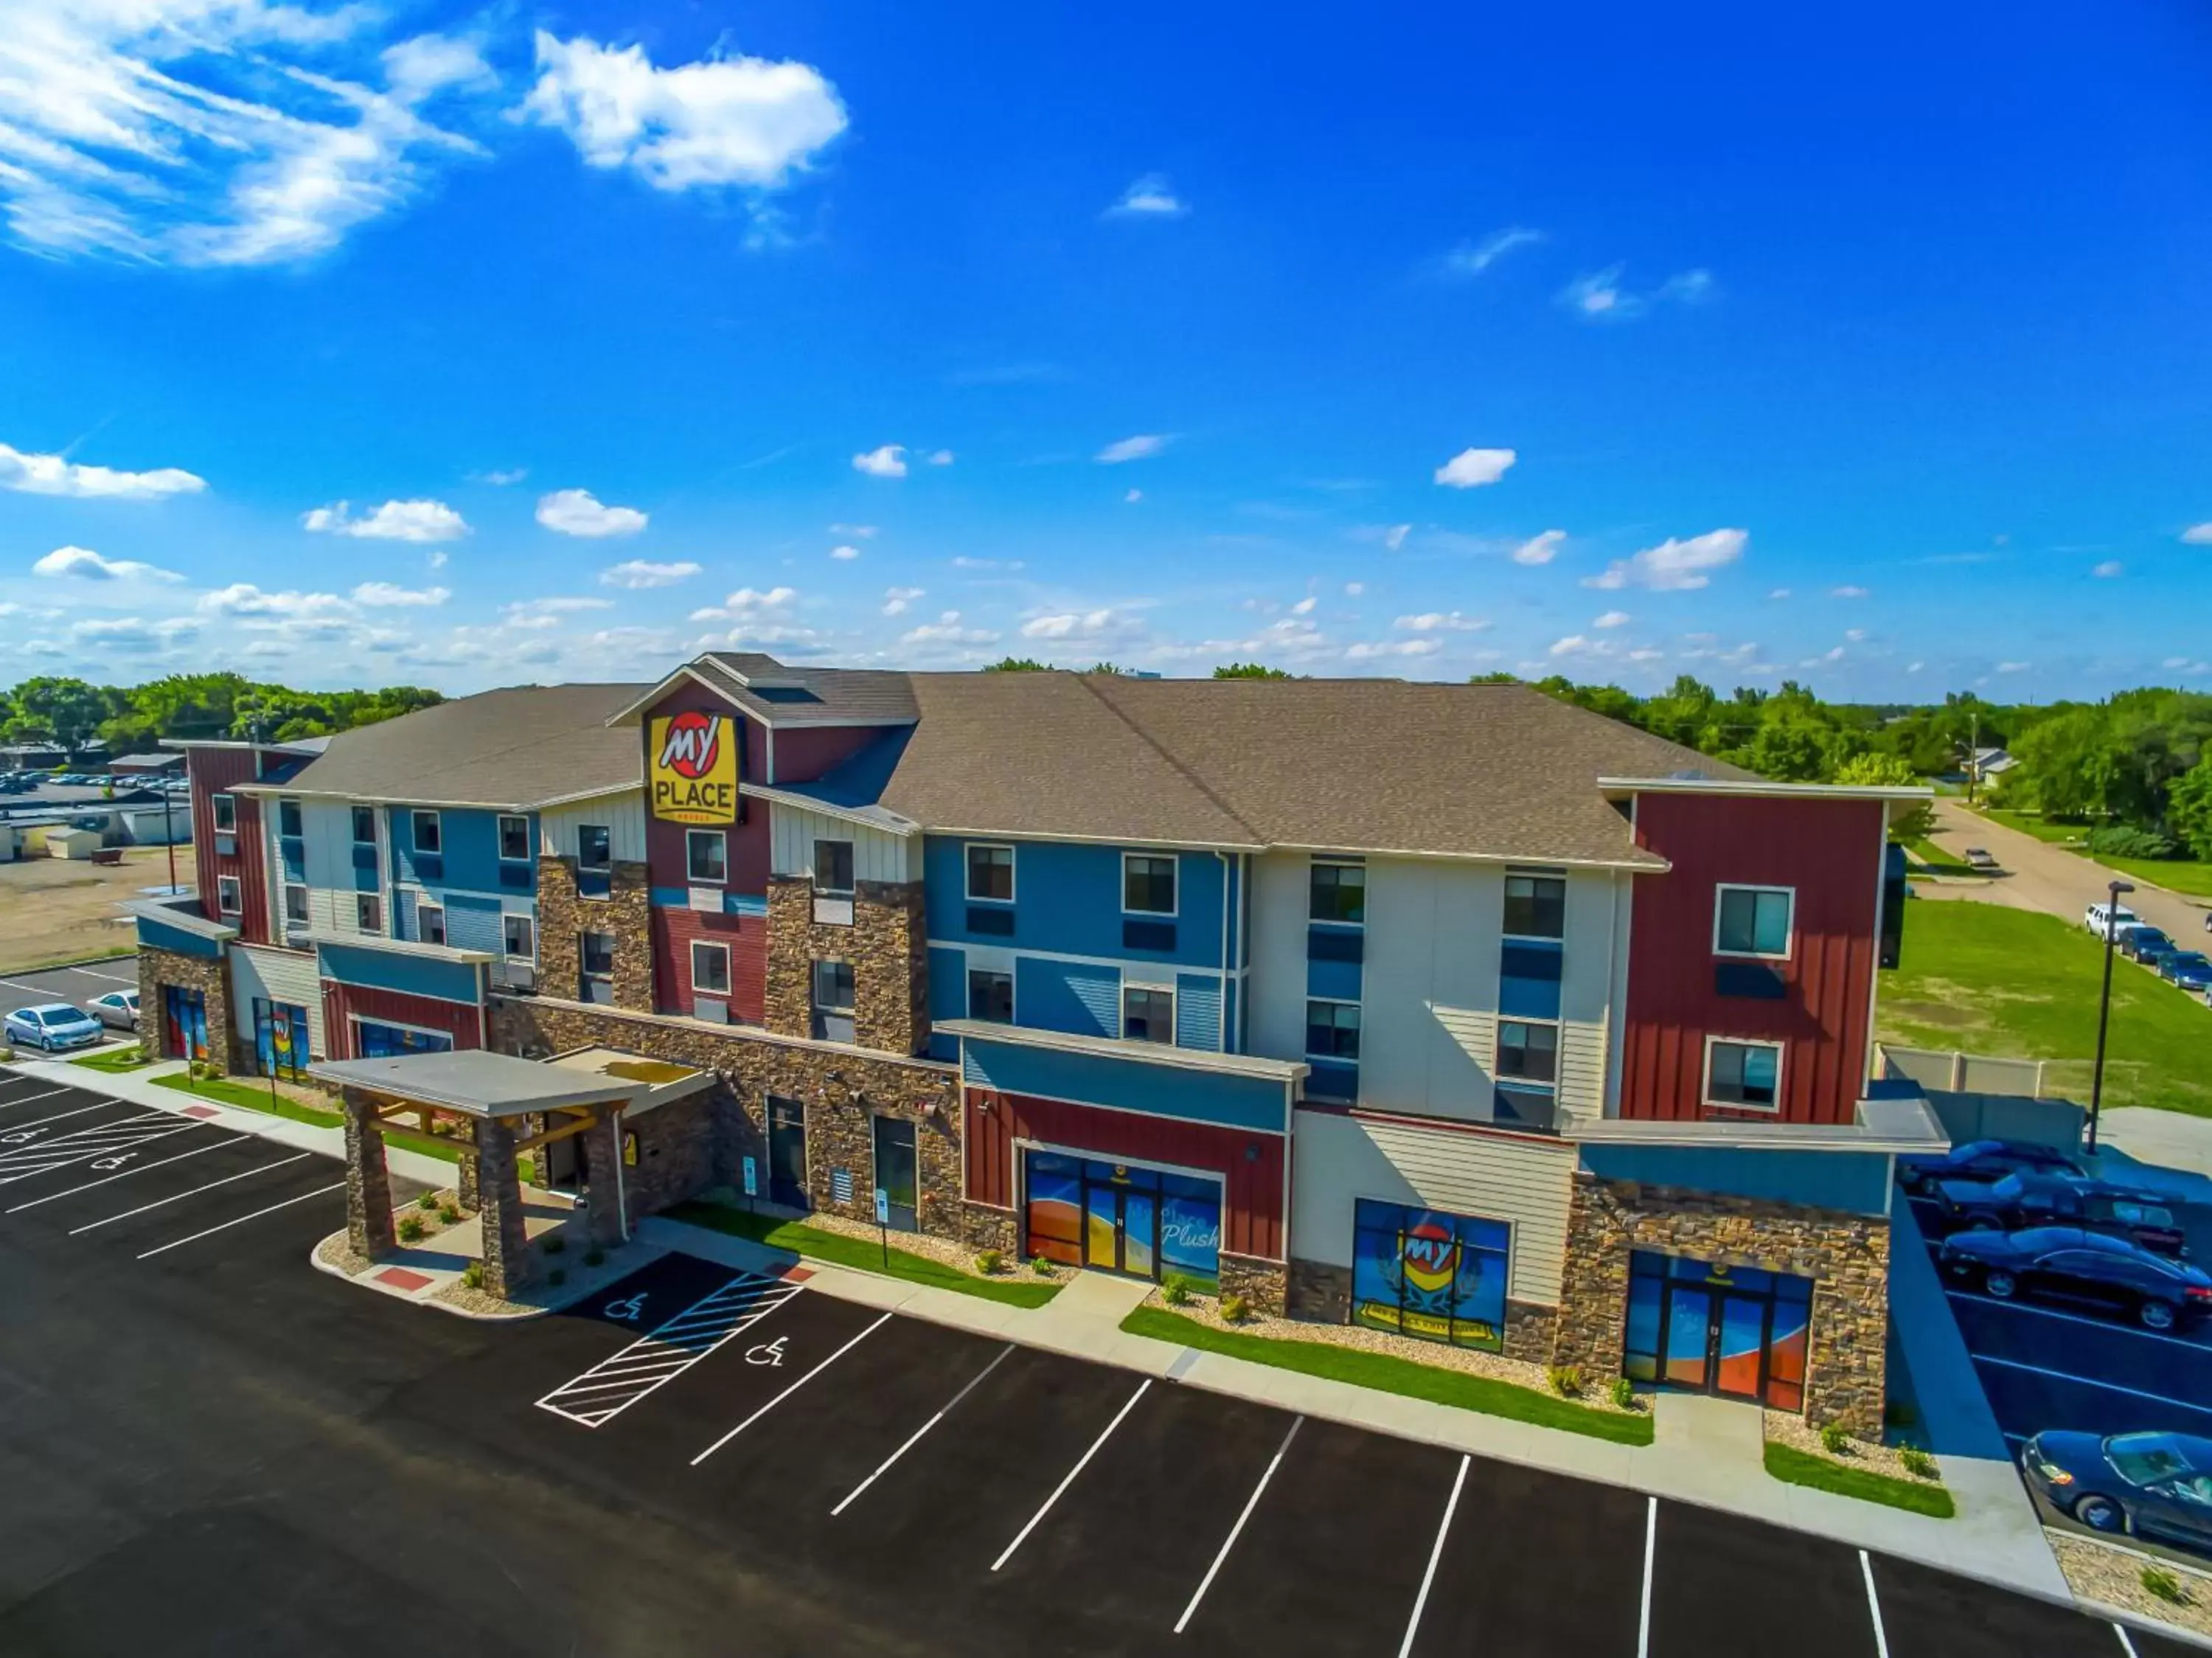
<point>888,461</point>
<point>1304,606</point>
<point>1364,650</point>
<point>1148,198</point>
<point>1855,634</point>
<point>1437,621</point>
<point>1142,447</point>
<point>1779,593</point>
<point>1395,537</point>
<point>1847,593</point>
<point>961,561</point>
<point>1068,625</point>
<point>579,512</point>
<point>746,604</point>
<point>547,612</point>
<point>1914,668</point>
<point>386,595</point>
<point>1674,566</point>
<point>1687,287</point>
<point>500,477</point>
<point>947,629</point>
<point>244,599</point>
<point>742,121</point>
<point>1570,645</point>
<point>1645,654</point>
<point>938,458</point>
<point>1541,548</point>
<point>861,532</point>
<point>1600,296</point>
<point>1471,468</point>
<point>1134,496</point>
<point>2198,535</point>
<point>636,573</point>
<point>896,599</point>
<point>130,633</point>
<point>439,560</point>
<point>53,474</point>
<point>2109,568</point>
<point>1353,589</point>
<point>1614,619</point>
<point>395,521</point>
<point>87,565</point>
<point>1473,259</point>
<point>2014,667</point>
<point>846,553</point>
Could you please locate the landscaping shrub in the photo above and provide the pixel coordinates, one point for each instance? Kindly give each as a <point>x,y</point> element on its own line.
<point>1041,1266</point>
<point>450,1215</point>
<point>1917,1462</point>
<point>1624,1392</point>
<point>2125,840</point>
<point>1234,1309</point>
<point>1175,1290</point>
<point>1566,1380</point>
<point>427,1201</point>
<point>411,1229</point>
<point>472,1276</point>
<point>2157,1581</point>
<point>1835,1439</point>
<point>989,1262</point>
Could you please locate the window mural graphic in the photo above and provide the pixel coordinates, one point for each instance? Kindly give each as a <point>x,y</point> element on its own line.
<point>1123,1218</point>
<point>1738,1331</point>
<point>388,1041</point>
<point>280,1038</point>
<point>1430,1275</point>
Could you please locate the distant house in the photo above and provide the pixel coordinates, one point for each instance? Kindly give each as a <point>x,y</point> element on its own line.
<point>1987,767</point>
<point>32,756</point>
<point>131,765</point>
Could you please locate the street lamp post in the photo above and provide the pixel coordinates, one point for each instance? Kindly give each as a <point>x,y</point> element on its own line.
<point>2105,1005</point>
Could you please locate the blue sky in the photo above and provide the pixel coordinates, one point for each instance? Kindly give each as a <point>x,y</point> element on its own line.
<point>470,346</point>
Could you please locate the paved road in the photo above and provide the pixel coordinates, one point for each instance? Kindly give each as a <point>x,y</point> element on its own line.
<point>2046,878</point>
<point>71,985</point>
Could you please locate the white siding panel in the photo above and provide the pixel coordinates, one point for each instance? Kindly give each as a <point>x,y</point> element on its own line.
<point>623,815</point>
<point>1586,990</point>
<point>277,976</point>
<point>1429,1023</point>
<point>1275,1020</point>
<point>327,833</point>
<point>1524,1182</point>
<point>878,855</point>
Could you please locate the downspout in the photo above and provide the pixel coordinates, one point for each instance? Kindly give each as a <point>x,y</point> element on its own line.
<point>622,1186</point>
<point>1221,1016</point>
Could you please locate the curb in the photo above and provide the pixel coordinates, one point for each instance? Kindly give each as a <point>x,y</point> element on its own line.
<point>368,1281</point>
<point>2121,1618</point>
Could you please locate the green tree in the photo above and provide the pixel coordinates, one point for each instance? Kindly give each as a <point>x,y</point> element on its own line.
<point>2188,808</point>
<point>1872,771</point>
<point>1248,671</point>
<point>1496,676</point>
<point>1016,665</point>
<point>59,711</point>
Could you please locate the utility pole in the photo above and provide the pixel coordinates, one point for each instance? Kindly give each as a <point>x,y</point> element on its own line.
<point>2105,1006</point>
<point>1974,750</point>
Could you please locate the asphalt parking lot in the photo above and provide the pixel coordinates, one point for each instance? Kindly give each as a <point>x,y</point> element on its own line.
<point>206,1446</point>
<point>74,985</point>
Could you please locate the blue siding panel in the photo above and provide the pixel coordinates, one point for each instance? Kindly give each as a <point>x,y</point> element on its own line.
<point>1128,1084</point>
<point>1857,1182</point>
<point>1066,996</point>
<point>1333,981</point>
<point>1228,1015</point>
<point>1067,899</point>
<point>160,935</point>
<point>391,970</point>
<point>468,857</point>
<point>948,984</point>
<point>473,924</point>
<point>1198,1011</point>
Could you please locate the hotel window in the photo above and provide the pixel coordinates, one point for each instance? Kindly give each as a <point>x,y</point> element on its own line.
<point>364,826</point>
<point>707,857</point>
<point>1746,1075</point>
<point>833,1000</point>
<point>430,923</point>
<point>710,968</point>
<point>288,818</point>
<point>368,912</point>
<point>1337,892</point>
<point>1333,1030</point>
<point>1753,921</point>
<point>429,834</point>
<point>595,846</point>
<point>1535,906</point>
<point>226,894</point>
<point>597,955</point>
<point>990,872</point>
<point>991,996</point>
<point>1148,884</point>
<point>295,906</point>
<point>1147,1014</point>
<point>514,839</point>
<point>225,812</point>
<point>520,936</point>
<point>1530,1052</point>
<point>833,868</point>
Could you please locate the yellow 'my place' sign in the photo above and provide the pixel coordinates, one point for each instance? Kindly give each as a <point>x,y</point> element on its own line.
<point>694,770</point>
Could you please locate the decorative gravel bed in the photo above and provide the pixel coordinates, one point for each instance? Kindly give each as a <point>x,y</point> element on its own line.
<point>947,1251</point>
<point>2099,1571</point>
<point>1799,1435</point>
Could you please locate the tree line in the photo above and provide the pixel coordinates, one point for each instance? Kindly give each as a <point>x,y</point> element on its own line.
<point>72,714</point>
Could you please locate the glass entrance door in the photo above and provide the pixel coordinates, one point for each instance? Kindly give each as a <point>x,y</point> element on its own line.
<point>1102,1228</point>
<point>1737,1332</point>
<point>1689,1321</point>
<point>185,1022</point>
<point>786,1153</point>
<point>895,1170</point>
<point>1121,1217</point>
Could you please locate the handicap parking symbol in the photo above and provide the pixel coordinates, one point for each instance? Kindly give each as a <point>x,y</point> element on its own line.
<point>769,1353</point>
<point>115,1161</point>
<point>630,1309</point>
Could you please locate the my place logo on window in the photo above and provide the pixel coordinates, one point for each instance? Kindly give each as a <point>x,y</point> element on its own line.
<point>694,772</point>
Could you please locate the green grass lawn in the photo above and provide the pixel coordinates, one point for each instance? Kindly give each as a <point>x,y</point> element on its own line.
<point>114,1061</point>
<point>225,1091</point>
<point>2190,875</point>
<point>2031,823</point>
<point>1936,860</point>
<point>2013,984</point>
<point>1391,1375</point>
<point>863,1254</point>
<point>1796,1467</point>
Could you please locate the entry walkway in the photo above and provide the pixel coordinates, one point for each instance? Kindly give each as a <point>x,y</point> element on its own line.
<point>1995,1536</point>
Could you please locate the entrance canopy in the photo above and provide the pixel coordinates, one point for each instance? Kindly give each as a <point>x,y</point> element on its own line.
<point>479,1083</point>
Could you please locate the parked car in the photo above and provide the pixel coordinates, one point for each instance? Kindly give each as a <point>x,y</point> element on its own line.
<point>2029,1198</point>
<point>55,1026</point>
<point>1978,857</point>
<point>117,1008</point>
<point>1982,1160</point>
<point>2097,916</point>
<point>2065,1263</point>
<point>2190,969</point>
<point>2144,943</point>
<point>2149,1484</point>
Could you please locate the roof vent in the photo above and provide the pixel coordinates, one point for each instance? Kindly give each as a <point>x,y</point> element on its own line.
<point>1690,774</point>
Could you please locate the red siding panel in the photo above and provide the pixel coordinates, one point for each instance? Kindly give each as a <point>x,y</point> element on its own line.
<point>1252,1217</point>
<point>342,1003</point>
<point>1830,851</point>
<point>673,931</point>
<point>213,772</point>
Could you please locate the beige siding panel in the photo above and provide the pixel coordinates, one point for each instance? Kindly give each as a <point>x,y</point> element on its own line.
<point>1276,1020</point>
<point>1586,990</point>
<point>326,834</point>
<point>878,855</point>
<point>1338,1159</point>
<point>623,815</point>
<point>277,976</point>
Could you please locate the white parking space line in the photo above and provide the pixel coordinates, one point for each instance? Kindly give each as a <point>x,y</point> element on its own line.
<point>1082,1462</point>
<point>109,1179</point>
<point>789,1391</point>
<point>91,973</point>
<point>25,1099</point>
<point>1873,1607</point>
<point>2091,1382</point>
<point>1230,1541</point>
<point>321,1191</point>
<point>40,1122</point>
<point>974,1383</point>
<point>178,1196</point>
<point>1435,1553</point>
<point>1651,1548</point>
<point>86,1145</point>
<point>29,990</point>
<point>2117,1329</point>
<point>652,1361</point>
<point>2126,1645</point>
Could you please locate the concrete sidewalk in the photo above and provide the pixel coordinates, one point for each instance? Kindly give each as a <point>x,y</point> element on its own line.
<point>1708,1456</point>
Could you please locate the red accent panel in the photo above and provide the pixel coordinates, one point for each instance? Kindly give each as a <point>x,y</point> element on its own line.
<point>748,846</point>
<point>1830,850</point>
<point>812,752</point>
<point>1252,1221</point>
<point>342,1003</point>
<point>673,931</point>
<point>213,772</point>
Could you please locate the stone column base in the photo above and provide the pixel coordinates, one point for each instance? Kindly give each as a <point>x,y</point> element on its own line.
<point>1262,1283</point>
<point>987,1227</point>
<point>1319,1292</point>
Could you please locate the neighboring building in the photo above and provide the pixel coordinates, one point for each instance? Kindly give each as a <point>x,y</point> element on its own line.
<point>158,764</point>
<point>1453,1010</point>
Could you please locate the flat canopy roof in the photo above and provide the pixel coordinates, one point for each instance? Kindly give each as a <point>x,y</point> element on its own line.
<point>484,1084</point>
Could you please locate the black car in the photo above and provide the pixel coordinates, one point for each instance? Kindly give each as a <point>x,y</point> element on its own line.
<point>2031,1198</point>
<point>2151,1484</point>
<point>2064,1262</point>
<point>1982,1160</point>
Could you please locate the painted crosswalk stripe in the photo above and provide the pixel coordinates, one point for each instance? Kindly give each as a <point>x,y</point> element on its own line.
<point>40,1122</point>
<point>109,1179</point>
<point>619,1381</point>
<point>178,1197</point>
<point>320,1192</point>
<point>85,1145</point>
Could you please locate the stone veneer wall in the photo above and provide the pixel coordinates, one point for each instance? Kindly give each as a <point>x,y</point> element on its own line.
<point>1846,1255</point>
<point>210,975</point>
<point>843,1090</point>
<point>1263,1283</point>
<point>564,915</point>
<point>886,943</point>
